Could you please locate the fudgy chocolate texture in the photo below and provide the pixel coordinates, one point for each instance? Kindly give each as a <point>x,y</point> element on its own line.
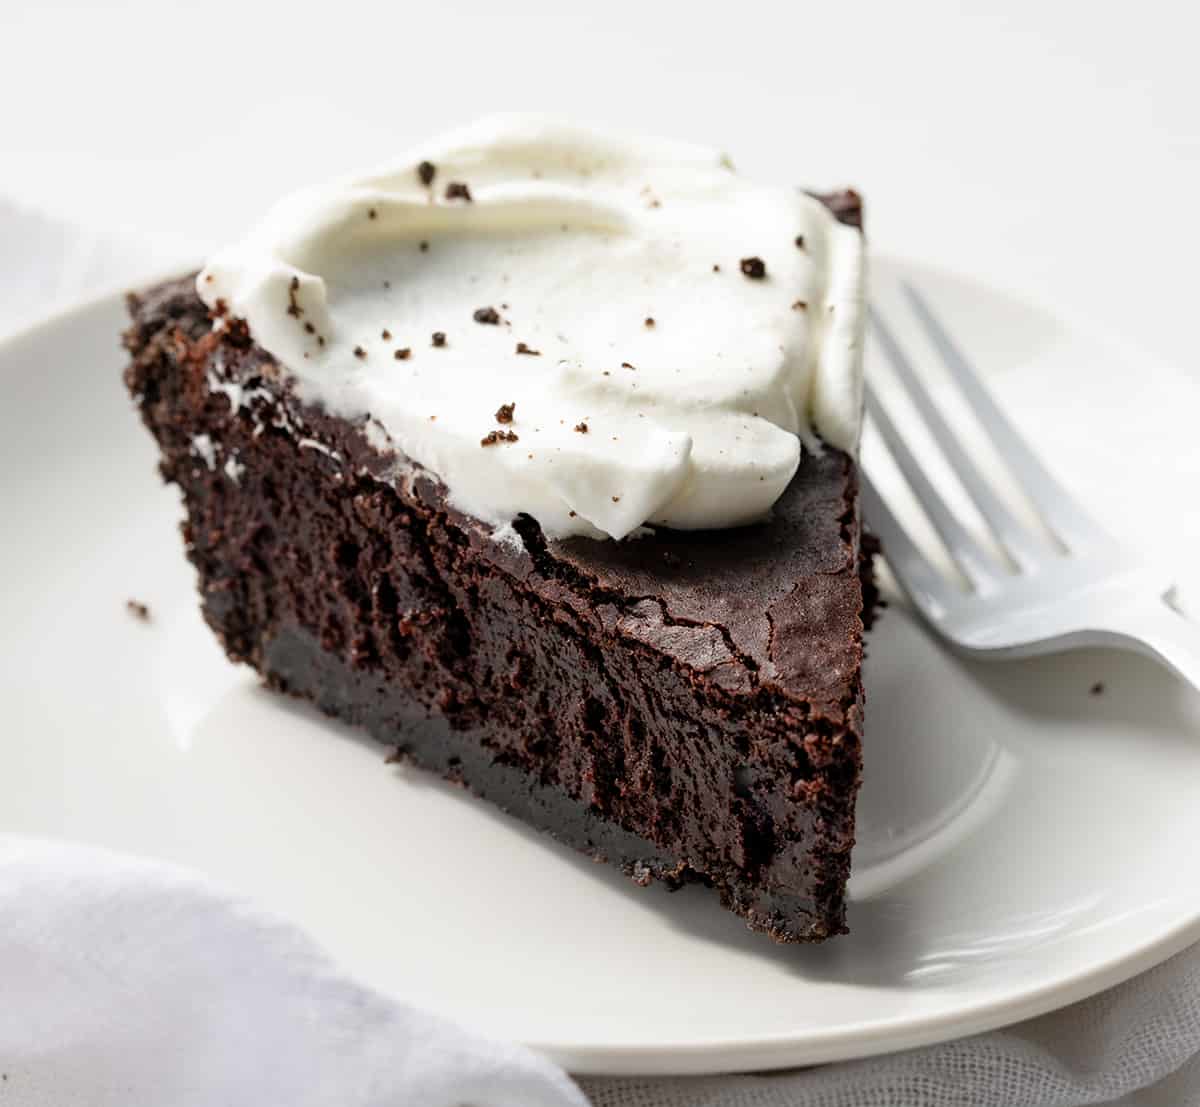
<point>688,705</point>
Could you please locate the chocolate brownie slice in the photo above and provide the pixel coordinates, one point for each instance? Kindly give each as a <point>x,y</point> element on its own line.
<point>687,705</point>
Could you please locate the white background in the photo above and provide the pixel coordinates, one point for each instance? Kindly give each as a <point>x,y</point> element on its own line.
<point>1051,148</point>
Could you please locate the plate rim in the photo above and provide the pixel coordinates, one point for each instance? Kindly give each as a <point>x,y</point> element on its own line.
<point>777,1052</point>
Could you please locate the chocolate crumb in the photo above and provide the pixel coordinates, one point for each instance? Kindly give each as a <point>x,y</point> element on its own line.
<point>799,242</point>
<point>504,413</point>
<point>424,246</point>
<point>800,305</point>
<point>457,190</point>
<point>439,338</point>
<point>385,334</point>
<point>320,340</point>
<point>426,172</point>
<point>359,352</point>
<point>582,428</point>
<point>294,309</point>
<point>716,269</point>
<point>616,499</point>
<point>309,328</point>
<point>1097,689</point>
<point>208,279</point>
<point>649,320</point>
<point>523,349</point>
<point>494,437</point>
<point>138,610</point>
<point>387,284</point>
<point>626,365</point>
<point>372,213</point>
<point>570,515</point>
<point>754,268</point>
<point>486,315</point>
<point>402,354</point>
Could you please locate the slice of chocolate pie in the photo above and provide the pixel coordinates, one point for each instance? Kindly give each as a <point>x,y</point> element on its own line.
<point>533,455</point>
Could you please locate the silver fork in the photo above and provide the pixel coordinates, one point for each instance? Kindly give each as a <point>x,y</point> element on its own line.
<point>1088,591</point>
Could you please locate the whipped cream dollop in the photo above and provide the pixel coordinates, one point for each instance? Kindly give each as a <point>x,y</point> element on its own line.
<point>598,331</point>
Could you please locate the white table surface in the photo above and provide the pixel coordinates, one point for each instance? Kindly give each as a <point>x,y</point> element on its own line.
<point>1052,148</point>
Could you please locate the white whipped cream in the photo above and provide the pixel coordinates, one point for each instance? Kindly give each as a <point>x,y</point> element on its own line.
<point>577,240</point>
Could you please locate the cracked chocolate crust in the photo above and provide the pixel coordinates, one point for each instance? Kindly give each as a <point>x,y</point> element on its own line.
<point>687,706</point>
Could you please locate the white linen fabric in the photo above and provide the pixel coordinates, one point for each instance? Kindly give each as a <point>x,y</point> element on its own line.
<point>129,983</point>
<point>126,982</point>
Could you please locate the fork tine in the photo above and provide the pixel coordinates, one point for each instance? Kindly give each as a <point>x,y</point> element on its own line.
<point>976,565</point>
<point>1014,537</point>
<point>1057,506</point>
<point>928,589</point>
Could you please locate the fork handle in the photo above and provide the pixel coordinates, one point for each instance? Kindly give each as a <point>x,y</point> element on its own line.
<point>1158,631</point>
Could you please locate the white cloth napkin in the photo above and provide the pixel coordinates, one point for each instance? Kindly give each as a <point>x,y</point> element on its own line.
<point>126,982</point>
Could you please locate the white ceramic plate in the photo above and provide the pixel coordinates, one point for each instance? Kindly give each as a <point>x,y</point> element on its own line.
<point>1023,842</point>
